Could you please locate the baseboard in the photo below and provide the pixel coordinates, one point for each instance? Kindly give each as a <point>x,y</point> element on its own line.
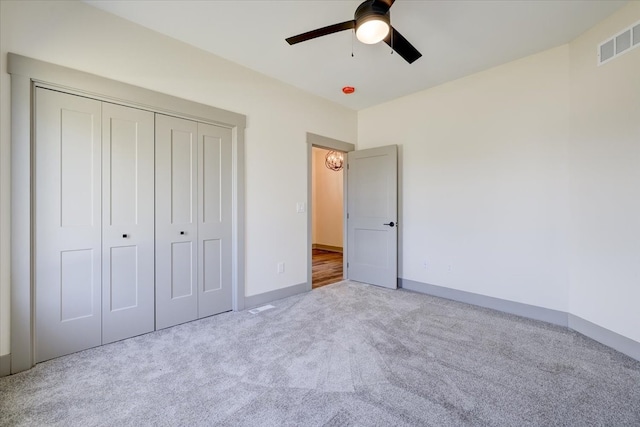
<point>5,365</point>
<point>525,310</point>
<point>605,336</point>
<point>327,248</point>
<point>267,297</point>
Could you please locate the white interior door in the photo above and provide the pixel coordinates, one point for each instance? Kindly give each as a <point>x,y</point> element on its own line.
<point>372,216</point>
<point>214,220</point>
<point>67,224</point>
<point>127,221</point>
<point>176,221</point>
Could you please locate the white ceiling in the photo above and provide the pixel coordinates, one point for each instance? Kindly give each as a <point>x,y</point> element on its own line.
<point>456,38</point>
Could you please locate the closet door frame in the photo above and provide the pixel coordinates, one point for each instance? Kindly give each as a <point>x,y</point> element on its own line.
<point>27,74</point>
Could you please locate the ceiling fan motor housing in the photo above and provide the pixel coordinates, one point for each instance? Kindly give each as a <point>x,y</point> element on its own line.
<point>369,10</point>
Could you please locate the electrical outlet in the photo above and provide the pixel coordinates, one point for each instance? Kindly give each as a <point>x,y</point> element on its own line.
<point>425,264</point>
<point>300,207</point>
<point>281,267</point>
<point>450,268</point>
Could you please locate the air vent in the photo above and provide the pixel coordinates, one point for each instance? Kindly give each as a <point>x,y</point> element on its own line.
<point>623,41</point>
<point>260,309</point>
<point>607,51</point>
<point>619,44</point>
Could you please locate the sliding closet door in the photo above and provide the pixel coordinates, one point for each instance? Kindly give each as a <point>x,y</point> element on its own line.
<point>127,220</point>
<point>176,221</point>
<point>67,223</point>
<point>214,220</point>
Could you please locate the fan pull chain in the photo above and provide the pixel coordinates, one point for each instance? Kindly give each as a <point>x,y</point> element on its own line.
<point>353,33</point>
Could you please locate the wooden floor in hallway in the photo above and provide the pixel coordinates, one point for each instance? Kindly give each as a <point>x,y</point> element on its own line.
<point>326,268</point>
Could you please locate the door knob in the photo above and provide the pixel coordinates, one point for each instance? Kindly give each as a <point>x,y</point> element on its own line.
<point>124,236</point>
<point>182,233</point>
<point>390,224</point>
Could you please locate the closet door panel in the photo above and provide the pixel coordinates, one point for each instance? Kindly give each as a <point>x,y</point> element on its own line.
<point>128,222</point>
<point>67,223</point>
<point>176,221</point>
<point>214,220</point>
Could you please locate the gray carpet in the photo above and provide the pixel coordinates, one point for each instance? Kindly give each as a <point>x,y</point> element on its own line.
<point>345,354</point>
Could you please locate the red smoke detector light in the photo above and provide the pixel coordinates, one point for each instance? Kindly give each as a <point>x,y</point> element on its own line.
<point>348,90</point>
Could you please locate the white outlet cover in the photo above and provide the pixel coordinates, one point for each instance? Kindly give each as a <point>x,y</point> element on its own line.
<point>300,207</point>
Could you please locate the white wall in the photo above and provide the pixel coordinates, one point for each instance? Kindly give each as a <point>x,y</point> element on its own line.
<point>524,180</point>
<point>327,215</point>
<point>604,165</point>
<point>483,180</point>
<point>79,36</point>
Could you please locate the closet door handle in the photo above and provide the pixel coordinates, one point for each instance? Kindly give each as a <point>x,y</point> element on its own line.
<point>125,236</point>
<point>182,233</point>
<point>390,224</point>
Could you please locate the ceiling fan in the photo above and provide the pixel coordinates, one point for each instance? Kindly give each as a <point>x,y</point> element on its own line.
<point>372,24</point>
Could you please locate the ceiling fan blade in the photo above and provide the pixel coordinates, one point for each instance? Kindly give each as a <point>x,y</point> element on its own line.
<point>386,3</point>
<point>348,25</point>
<point>397,42</point>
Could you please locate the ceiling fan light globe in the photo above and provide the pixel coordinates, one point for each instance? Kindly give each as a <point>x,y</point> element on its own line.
<point>372,31</point>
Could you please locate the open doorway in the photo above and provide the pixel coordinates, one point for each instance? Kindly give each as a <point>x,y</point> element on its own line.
<point>330,251</point>
<point>327,207</point>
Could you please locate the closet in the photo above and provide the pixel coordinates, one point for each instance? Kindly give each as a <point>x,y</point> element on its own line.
<point>132,222</point>
<point>193,220</point>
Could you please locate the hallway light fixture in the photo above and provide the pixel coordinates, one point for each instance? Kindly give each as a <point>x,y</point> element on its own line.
<point>334,160</point>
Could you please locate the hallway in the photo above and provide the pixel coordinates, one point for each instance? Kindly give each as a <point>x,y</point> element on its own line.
<point>326,269</point>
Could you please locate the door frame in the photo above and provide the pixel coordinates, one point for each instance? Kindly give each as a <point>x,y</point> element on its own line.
<point>320,141</point>
<point>27,73</point>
